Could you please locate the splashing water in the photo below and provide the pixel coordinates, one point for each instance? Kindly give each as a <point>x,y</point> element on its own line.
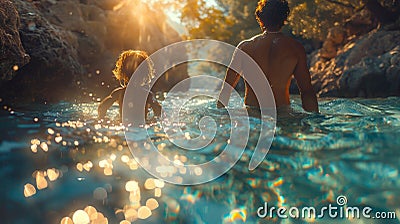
<point>60,165</point>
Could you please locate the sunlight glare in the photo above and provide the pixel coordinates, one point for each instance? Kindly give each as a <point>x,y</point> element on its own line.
<point>66,220</point>
<point>41,182</point>
<point>144,212</point>
<point>80,217</point>
<point>152,203</point>
<point>29,190</point>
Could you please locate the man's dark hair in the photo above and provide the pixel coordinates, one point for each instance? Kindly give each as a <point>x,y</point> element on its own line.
<point>271,14</point>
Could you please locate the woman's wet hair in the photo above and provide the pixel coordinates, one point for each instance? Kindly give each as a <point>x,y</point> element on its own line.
<point>271,14</point>
<point>127,63</point>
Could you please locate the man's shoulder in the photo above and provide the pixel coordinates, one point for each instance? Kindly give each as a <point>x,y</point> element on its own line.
<point>254,39</point>
<point>295,44</point>
<point>250,40</point>
<point>244,43</point>
<point>248,43</point>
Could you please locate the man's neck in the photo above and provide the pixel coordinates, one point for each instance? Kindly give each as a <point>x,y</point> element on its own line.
<point>273,30</point>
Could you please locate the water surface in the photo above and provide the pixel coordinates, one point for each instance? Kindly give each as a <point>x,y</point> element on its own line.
<point>57,159</point>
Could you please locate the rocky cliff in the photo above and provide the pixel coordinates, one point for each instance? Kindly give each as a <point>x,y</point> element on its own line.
<point>12,54</point>
<point>358,59</point>
<point>55,50</point>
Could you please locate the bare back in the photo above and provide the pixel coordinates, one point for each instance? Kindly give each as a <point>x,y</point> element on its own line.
<point>277,56</point>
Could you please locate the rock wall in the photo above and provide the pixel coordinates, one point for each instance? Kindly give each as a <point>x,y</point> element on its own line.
<point>349,65</point>
<point>54,62</point>
<point>73,46</point>
<point>12,54</point>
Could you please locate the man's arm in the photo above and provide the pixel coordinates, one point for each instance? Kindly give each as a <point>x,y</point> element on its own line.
<point>231,79</point>
<point>303,79</point>
<point>107,102</point>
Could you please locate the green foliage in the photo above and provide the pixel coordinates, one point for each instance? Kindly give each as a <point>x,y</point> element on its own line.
<point>224,20</point>
<point>312,19</point>
<point>234,20</point>
<point>242,13</point>
<point>205,21</point>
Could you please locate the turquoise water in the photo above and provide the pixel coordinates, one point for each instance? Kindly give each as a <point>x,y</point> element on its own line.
<point>350,149</point>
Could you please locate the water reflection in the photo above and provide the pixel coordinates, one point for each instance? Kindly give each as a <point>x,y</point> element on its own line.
<point>66,167</point>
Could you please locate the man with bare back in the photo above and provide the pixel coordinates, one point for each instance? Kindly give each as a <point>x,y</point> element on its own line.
<point>279,56</point>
